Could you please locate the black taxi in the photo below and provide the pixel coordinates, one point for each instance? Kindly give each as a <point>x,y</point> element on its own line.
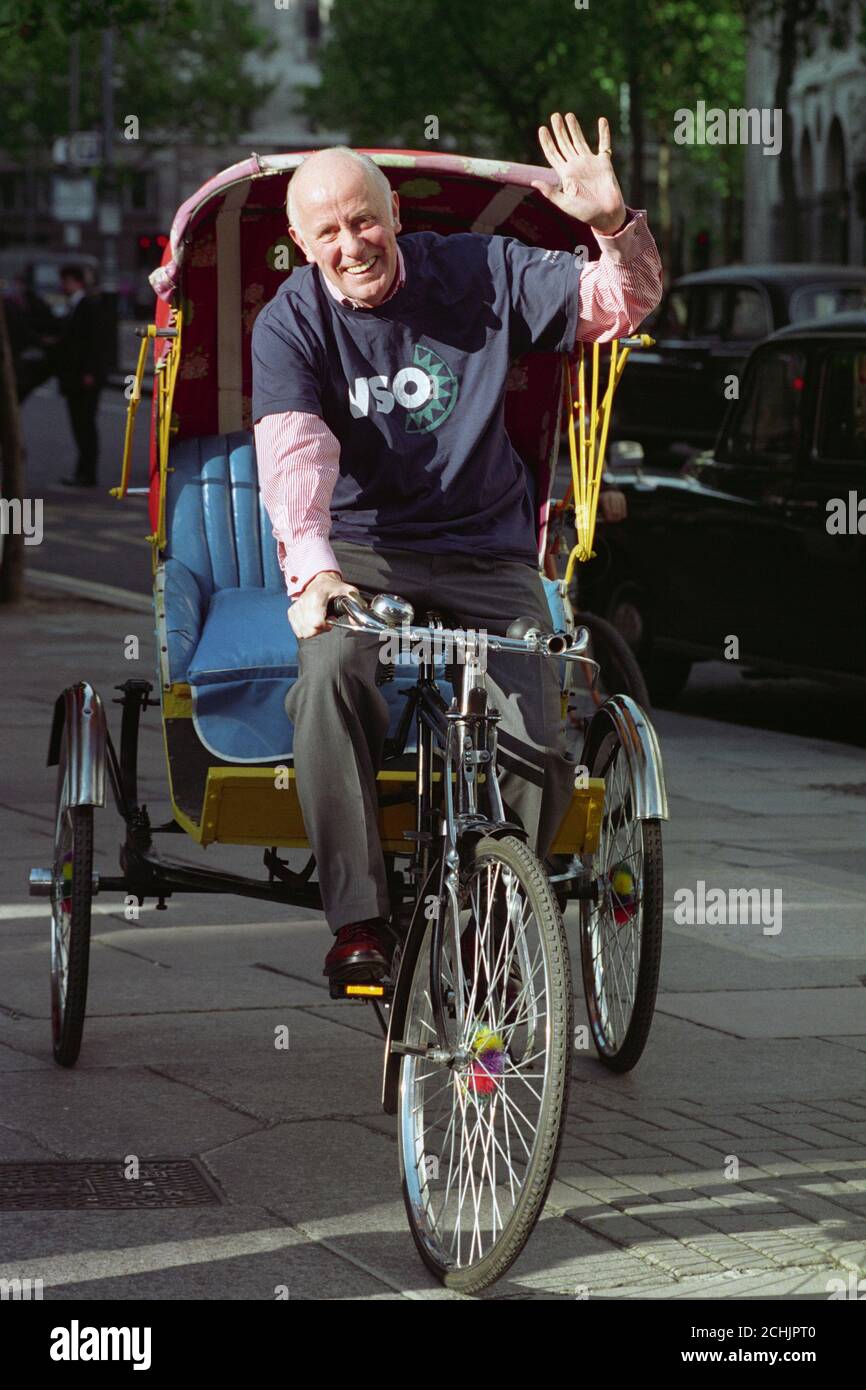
<point>754,550</point>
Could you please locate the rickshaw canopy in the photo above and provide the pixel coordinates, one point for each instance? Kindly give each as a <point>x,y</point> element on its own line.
<point>229,250</point>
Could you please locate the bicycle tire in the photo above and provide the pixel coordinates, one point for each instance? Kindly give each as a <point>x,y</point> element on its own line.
<point>621,1049</point>
<point>71,910</point>
<point>519,866</point>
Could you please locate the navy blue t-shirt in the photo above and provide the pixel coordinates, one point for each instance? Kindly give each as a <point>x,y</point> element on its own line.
<point>414,390</point>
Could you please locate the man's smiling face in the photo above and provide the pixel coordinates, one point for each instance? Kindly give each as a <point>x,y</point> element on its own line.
<point>347,224</point>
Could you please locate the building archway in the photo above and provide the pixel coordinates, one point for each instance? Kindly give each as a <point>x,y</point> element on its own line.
<point>806,167</point>
<point>806,199</point>
<point>836,200</point>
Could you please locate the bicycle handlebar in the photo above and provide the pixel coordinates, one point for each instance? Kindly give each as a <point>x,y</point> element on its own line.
<point>532,642</point>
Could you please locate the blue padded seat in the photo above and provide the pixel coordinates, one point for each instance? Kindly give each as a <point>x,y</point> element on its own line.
<point>228,634</point>
<point>246,636</point>
<point>241,672</point>
<point>554,602</point>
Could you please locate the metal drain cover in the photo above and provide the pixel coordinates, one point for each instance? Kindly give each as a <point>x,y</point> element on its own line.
<point>101,1186</point>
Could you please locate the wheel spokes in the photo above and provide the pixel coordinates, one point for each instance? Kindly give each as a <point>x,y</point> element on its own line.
<point>613,924</point>
<point>475,1122</point>
<point>61,901</point>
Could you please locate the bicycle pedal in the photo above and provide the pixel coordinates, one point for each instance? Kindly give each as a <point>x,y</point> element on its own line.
<point>342,989</point>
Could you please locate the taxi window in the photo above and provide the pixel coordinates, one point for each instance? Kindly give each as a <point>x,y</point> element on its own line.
<point>749,318</point>
<point>708,311</point>
<point>768,424</point>
<point>842,413</point>
<point>821,301</point>
<point>676,315</point>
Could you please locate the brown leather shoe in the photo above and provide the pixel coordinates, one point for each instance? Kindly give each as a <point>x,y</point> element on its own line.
<point>361,953</point>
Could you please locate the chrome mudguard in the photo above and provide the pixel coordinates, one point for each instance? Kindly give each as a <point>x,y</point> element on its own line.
<point>80,710</point>
<point>641,747</point>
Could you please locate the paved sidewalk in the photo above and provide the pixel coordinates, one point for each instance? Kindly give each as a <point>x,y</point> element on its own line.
<point>730,1163</point>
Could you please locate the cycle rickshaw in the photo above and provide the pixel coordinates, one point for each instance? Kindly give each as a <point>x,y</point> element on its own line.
<point>477,1011</point>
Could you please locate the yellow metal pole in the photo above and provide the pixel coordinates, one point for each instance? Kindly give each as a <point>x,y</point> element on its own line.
<point>588,452</point>
<point>168,380</point>
<point>131,409</point>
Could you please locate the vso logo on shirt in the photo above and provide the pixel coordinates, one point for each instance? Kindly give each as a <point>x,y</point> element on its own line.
<point>427,390</point>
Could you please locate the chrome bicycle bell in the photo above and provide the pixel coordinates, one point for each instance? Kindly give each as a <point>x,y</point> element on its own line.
<point>392,610</point>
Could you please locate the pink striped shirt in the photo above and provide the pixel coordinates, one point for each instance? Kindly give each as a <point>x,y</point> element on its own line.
<point>299,457</point>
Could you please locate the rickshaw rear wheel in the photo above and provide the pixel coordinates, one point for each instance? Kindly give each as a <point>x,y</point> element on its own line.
<point>620,672</point>
<point>621,929</point>
<point>479,1134</point>
<point>71,898</point>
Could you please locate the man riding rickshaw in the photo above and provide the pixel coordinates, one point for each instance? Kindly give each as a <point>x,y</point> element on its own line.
<point>341,434</point>
<point>379,375</point>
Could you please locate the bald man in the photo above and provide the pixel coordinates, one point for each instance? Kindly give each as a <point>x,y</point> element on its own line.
<point>379,375</point>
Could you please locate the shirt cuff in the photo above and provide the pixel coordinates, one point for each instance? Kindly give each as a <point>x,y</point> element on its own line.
<point>304,562</point>
<point>629,241</point>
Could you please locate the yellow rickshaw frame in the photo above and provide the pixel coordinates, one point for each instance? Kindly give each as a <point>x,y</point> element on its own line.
<point>587,439</point>
<point>164,383</point>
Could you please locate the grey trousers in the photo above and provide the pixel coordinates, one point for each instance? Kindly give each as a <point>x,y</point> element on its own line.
<point>341,717</point>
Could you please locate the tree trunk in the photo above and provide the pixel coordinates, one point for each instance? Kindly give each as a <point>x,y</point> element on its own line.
<point>730,248</point>
<point>635,120</point>
<point>665,220</point>
<point>12,465</point>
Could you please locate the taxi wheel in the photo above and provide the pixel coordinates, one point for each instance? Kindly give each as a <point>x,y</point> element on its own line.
<point>667,674</point>
<point>664,673</point>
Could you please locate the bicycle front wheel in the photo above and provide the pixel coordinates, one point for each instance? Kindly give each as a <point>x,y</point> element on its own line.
<point>481,1116</point>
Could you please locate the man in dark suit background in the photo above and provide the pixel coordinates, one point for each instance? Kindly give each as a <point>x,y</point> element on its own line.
<point>81,370</point>
<point>33,334</point>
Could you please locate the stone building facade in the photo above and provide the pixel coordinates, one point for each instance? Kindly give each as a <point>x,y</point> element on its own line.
<point>828,112</point>
<point>152,190</point>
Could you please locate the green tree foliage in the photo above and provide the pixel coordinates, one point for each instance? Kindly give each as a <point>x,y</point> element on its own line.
<point>179,68</point>
<point>33,18</point>
<point>488,71</point>
<point>494,70</point>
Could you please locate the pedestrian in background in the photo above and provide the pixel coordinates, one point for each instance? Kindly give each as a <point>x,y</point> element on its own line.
<point>33,335</point>
<point>81,370</point>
